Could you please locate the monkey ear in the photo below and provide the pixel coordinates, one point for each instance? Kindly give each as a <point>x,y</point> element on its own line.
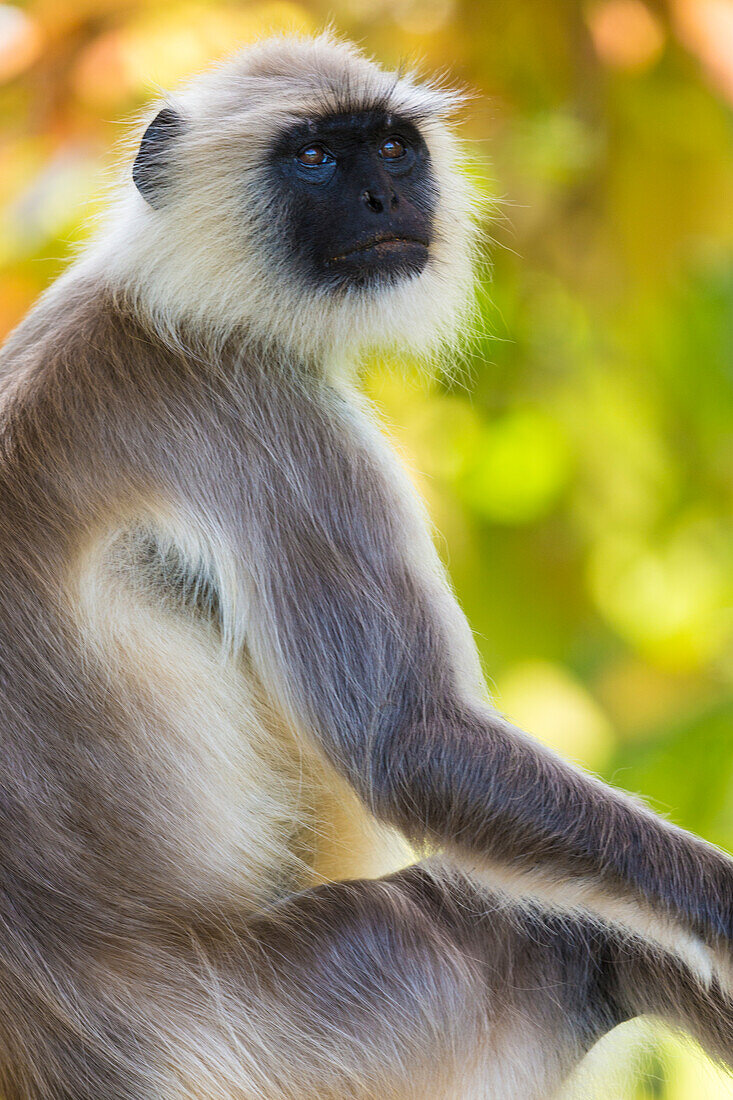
<point>150,172</point>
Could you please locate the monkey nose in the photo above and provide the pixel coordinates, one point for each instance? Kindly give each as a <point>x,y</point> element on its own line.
<point>376,200</point>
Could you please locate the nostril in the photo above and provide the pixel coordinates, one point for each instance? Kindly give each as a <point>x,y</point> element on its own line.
<point>372,201</point>
<point>394,201</point>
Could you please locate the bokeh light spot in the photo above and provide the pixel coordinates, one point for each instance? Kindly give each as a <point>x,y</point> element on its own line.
<point>547,699</point>
<point>518,468</point>
<point>668,598</point>
<point>20,41</point>
<point>706,28</point>
<point>625,33</point>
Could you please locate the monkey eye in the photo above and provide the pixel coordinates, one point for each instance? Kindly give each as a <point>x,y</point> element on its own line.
<point>392,149</point>
<point>314,156</point>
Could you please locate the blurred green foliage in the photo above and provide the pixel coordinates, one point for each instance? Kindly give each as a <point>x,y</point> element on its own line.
<point>579,463</point>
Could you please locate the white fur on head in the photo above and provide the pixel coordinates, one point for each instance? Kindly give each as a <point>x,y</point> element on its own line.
<point>208,262</point>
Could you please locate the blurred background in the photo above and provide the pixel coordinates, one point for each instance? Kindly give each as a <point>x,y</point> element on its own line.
<point>579,466</point>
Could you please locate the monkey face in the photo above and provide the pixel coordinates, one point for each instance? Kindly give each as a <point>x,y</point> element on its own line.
<point>360,198</point>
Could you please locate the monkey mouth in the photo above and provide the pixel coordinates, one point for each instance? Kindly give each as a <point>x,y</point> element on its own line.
<point>384,245</point>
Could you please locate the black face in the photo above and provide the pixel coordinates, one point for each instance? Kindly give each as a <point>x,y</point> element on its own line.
<point>360,197</point>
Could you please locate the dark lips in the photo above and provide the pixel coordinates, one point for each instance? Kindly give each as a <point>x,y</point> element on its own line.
<point>385,244</point>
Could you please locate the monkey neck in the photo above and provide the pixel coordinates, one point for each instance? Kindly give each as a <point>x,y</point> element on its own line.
<point>79,309</point>
<point>197,310</point>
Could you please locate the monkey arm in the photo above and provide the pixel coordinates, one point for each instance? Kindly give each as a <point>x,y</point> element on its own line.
<point>461,776</point>
<point>373,656</point>
<point>545,828</point>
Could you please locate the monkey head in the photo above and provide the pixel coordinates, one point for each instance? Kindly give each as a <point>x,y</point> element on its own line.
<point>303,195</point>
